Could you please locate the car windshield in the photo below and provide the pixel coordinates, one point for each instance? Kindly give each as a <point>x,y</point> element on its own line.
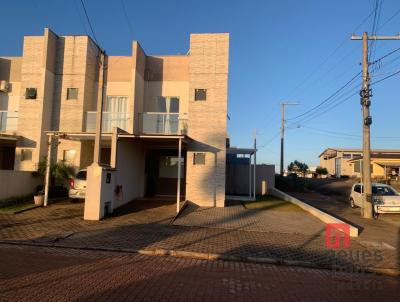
<point>81,175</point>
<point>383,191</point>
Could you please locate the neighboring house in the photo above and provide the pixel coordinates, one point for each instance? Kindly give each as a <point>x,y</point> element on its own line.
<point>383,165</point>
<point>155,101</point>
<point>345,162</point>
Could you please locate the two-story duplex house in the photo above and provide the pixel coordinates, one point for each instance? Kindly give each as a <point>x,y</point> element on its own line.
<point>157,102</point>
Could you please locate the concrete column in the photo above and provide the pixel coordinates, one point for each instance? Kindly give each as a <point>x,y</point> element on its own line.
<point>254,175</point>
<point>48,163</point>
<point>178,193</point>
<point>250,175</point>
<point>114,148</point>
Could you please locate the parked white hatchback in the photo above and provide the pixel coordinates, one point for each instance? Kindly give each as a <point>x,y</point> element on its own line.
<point>77,186</point>
<point>385,199</point>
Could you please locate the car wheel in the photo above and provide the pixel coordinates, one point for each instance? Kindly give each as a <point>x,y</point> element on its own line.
<point>73,200</point>
<point>352,204</point>
<point>376,215</point>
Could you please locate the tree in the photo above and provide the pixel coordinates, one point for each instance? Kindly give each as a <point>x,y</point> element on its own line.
<point>298,167</point>
<point>321,171</point>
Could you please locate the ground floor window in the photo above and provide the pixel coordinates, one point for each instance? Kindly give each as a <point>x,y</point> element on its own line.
<point>69,156</point>
<point>199,159</point>
<point>26,155</point>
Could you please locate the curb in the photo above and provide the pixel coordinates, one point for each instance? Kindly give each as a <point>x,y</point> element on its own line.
<point>28,209</point>
<point>207,256</point>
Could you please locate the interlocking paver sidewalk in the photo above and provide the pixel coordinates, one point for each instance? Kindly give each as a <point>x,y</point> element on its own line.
<point>62,224</point>
<point>49,274</point>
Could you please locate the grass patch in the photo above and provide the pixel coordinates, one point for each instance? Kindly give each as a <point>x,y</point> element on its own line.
<point>269,202</point>
<point>11,209</point>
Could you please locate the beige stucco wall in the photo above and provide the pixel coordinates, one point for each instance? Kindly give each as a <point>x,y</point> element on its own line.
<point>130,172</point>
<point>11,183</point>
<point>155,89</point>
<point>10,71</point>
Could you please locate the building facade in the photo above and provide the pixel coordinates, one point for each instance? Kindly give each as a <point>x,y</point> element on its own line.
<point>348,162</point>
<point>154,102</point>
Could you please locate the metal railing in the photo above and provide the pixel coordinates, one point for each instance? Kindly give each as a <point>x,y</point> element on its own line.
<point>8,121</point>
<point>164,123</point>
<point>110,120</point>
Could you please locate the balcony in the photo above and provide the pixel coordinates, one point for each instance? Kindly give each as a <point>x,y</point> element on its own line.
<point>110,120</point>
<point>164,123</point>
<point>8,121</point>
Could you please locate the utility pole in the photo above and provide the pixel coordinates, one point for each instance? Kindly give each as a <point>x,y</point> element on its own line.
<point>103,66</point>
<point>255,164</point>
<point>365,93</point>
<point>283,104</point>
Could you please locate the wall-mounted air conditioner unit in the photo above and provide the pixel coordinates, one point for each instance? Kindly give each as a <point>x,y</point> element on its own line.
<point>4,86</point>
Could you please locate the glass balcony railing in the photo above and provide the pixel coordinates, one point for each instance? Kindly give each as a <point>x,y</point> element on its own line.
<point>164,123</point>
<point>8,121</point>
<point>109,122</point>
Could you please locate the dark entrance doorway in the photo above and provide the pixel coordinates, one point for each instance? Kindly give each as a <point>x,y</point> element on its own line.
<point>162,172</point>
<point>7,155</point>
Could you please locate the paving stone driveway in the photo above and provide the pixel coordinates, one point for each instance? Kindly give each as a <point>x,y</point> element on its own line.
<point>142,227</point>
<point>239,218</point>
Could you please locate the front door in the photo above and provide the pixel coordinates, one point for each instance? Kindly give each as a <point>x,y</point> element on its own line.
<point>162,172</point>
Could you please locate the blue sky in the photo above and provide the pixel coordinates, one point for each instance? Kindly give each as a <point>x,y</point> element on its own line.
<point>280,50</point>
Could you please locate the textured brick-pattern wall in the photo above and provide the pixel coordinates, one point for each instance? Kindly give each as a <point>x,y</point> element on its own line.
<point>38,65</point>
<point>53,64</point>
<point>30,111</point>
<point>209,59</point>
<point>76,68</point>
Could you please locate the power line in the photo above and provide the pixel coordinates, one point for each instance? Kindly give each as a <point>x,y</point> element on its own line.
<point>385,56</point>
<point>390,19</point>
<point>347,135</point>
<point>90,23</point>
<point>334,105</point>
<point>318,114</point>
<point>375,23</point>
<point>127,18</point>
<point>385,78</point>
<point>309,76</point>
<point>328,98</point>
<point>270,140</point>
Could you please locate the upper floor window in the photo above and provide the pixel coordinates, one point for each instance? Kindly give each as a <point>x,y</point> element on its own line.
<point>200,94</point>
<point>30,93</point>
<point>346,155</point>
<point>115,103</point>
<point>72,93</point>
<point>168,104</point>
<point>26,155</point>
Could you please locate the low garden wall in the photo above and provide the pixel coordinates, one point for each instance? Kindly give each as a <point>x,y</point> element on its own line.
<point>17,183</point>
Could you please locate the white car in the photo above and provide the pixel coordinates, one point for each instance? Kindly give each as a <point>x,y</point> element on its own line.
<point>385,199</point>
<point>77,186</point>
